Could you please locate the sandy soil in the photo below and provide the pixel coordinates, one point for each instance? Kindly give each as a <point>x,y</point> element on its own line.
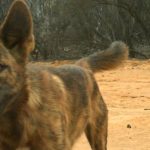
<point>126,91</point>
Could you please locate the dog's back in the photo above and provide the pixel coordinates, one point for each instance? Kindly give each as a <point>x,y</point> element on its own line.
<point>48,108</point>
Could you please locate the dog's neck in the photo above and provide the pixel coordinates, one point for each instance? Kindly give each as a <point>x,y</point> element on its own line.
<point>11,123</point>
<point>18,101</point>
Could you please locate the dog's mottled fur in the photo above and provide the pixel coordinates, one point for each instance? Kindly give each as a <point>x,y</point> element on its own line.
<point>45,108</point>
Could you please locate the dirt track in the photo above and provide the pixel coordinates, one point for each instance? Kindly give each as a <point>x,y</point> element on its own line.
<point>126,91</point>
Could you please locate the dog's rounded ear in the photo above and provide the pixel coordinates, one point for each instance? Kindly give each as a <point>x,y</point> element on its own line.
<point>17,30</point>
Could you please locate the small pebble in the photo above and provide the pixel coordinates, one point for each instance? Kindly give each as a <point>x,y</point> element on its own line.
<point>129,126</point>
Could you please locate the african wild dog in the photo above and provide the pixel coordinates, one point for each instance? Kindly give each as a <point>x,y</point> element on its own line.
<point>46,108</point>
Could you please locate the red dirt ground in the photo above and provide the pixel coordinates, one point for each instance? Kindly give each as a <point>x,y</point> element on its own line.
<point>126,91</point>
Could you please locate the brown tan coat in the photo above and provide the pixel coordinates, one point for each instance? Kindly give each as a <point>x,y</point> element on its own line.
<point>45,108</point>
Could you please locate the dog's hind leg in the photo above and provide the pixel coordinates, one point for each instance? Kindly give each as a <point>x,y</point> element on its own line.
<point>96,129</point>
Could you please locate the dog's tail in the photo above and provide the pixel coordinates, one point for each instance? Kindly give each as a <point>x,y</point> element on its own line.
<point>107,59</point>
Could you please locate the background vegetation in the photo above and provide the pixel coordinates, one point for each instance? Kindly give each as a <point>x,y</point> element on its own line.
<point>67,29</point>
